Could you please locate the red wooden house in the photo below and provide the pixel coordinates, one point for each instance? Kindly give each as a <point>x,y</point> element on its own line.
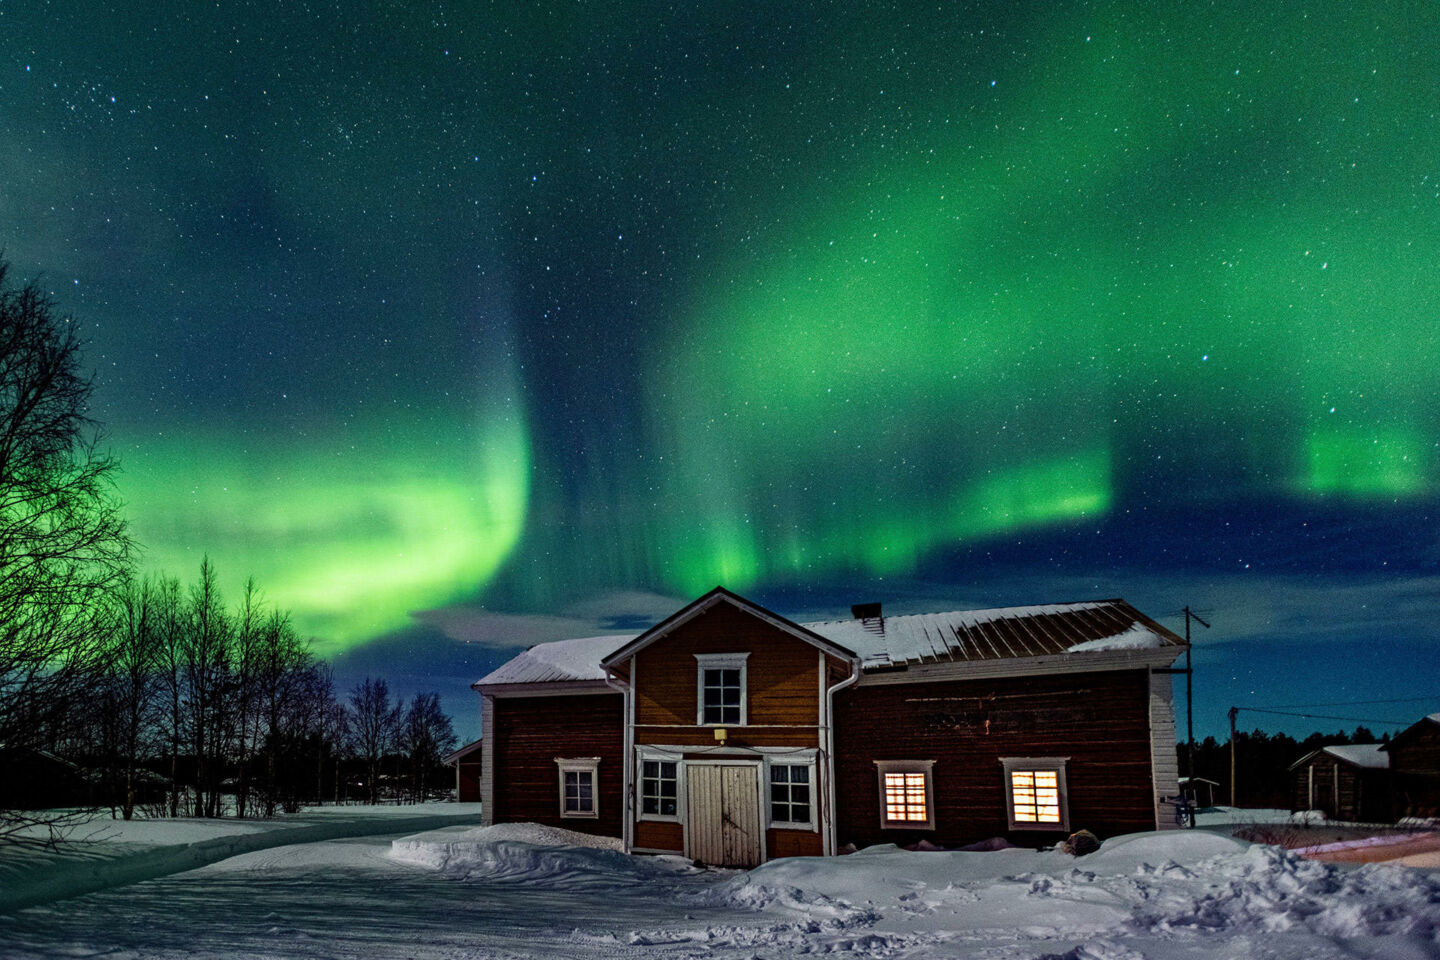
<point>733,735</point>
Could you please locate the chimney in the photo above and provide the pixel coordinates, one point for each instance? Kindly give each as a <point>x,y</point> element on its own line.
<point>865,611</point>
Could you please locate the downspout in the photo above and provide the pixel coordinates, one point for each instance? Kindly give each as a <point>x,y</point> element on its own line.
<point>828,837</point>
<point>627,827</point>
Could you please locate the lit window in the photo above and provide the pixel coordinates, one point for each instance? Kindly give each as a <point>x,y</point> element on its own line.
<point>1035,793</point>
<point>577,787</point>
<point>907,799</point>
<point>721,689</point>
<point>658,788</point>
<point>790,803</point>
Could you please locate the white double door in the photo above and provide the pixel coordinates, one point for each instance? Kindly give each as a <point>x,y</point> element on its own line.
<point>723,823</point>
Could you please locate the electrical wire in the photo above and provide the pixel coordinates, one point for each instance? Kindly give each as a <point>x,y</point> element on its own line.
<point>1356,703</point>
<point>1322,716</point>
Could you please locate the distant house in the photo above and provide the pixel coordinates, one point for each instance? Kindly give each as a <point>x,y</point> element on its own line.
<point>733,735</point>
<point>1344,781</point>
<point>466,762</point>
<point>37,779</point>
<point>1415,764</point>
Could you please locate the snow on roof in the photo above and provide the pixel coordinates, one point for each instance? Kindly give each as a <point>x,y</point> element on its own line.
<point>1138,637</point>
<point>996,634</point>
<point>1360,754</point>
<point>559,660</point>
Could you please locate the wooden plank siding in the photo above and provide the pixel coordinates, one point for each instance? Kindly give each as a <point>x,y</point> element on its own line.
<point>530,732</point>
<point>660,835</point>
<point>782,679</point>
<point>1100,721</point>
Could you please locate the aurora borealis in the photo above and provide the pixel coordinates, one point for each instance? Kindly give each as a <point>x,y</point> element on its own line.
<point>458,322</point>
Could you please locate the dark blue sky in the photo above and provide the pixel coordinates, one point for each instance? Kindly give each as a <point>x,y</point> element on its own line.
<point>464,327</point>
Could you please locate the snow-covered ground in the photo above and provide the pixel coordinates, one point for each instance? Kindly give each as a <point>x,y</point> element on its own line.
<point>523,893</point>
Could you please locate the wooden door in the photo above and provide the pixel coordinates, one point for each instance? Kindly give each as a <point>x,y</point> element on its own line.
<point>723,814</point>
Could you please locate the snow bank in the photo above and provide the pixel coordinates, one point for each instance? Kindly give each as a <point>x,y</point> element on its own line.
<point>534,853</point>
<point>1155,884</point>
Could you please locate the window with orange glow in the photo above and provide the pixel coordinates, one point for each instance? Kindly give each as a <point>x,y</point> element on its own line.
<point>907,799</point>
<point>1035,793</point>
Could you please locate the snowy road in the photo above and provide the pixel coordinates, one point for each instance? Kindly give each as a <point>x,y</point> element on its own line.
<point>467,893</point>
<point>348,899</point>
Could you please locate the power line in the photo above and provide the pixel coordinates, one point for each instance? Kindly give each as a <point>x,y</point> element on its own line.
<point>1321,716</point>
<point>1356,703</point>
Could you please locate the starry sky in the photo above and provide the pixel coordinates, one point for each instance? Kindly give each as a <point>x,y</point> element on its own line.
<point>463,326</point>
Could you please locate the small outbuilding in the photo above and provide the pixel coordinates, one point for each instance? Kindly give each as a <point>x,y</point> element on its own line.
<point>1344,781</point>
<point>466,762</point>
<point>1199,791</point>
<point>1415,765</point>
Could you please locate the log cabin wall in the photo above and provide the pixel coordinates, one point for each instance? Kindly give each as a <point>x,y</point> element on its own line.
<point>1100,721</point>
<point>531,732</point>
<point>1341,790</point>
<point>1415,762</point>
<point>1313,786</point>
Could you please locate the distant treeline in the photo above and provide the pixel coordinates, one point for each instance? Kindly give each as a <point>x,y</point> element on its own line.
<point>122,691</point>
<point>1262,763</point>
<point>188,708</point>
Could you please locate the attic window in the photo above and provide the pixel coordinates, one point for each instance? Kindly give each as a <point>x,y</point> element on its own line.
<point>907,794</point>
<point>720,689</point>
<point>1035,793</point>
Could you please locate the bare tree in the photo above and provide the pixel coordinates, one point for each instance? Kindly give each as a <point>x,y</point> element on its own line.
<point>374,722</point>
<point>425,735</point>
<point>63,544</point>
<point>170,654</point>
<point>205,647</point>
<point>132,671</point>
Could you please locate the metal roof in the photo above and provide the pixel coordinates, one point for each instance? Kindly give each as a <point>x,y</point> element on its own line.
<point>998,634</point>
<point>956,636</point>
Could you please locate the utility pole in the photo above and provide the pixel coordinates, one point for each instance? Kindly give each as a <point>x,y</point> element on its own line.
<point>1190,712</point>
<point>1233,711</point>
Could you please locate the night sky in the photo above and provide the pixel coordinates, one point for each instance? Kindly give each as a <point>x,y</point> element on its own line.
<point>466,326</point>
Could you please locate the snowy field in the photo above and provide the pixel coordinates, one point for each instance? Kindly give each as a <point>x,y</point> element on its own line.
<point>349,890</point>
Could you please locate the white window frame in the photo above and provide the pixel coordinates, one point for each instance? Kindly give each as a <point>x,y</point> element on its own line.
<point>720,661</point>
<point>1037,765</point>
<point>590,765</point>
<point>679,762</point>
<point>882,767</point>
<point>809,764</point>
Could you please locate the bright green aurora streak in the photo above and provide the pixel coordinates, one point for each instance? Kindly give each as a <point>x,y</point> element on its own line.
<point>1011,332</point>
<point>352,538</point>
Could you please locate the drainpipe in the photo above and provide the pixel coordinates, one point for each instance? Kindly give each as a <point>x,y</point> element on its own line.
<point>627,826</point>
<point>828,838</point>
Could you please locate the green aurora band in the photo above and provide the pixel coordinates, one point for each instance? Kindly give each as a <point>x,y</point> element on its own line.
<point>1003,335</point>
<point>350,538</point>
<point>1170,256</point>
